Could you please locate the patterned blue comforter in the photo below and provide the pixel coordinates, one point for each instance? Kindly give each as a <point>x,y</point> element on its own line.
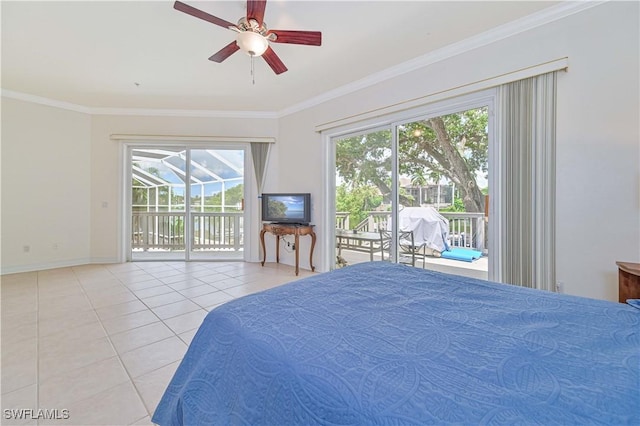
<point>380,343</point>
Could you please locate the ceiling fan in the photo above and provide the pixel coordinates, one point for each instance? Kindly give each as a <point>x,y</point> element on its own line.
<point>253,36</point>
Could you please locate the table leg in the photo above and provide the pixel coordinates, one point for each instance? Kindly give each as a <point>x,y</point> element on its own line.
<point>297,247</point>
<point>313,244</point>
<point>277,248</point>
<point>264,251</point>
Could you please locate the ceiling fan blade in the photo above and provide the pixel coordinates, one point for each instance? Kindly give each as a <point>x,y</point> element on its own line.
<point>225,52</point>
<point>274,61</point>
<point>255,10</point>
<point>311,38</point>
<point>190,10</point>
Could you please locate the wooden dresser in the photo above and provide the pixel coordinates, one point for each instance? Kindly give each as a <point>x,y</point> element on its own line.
<point>628,281</point>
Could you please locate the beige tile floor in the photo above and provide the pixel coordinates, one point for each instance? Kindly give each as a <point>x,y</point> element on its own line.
<point>99,343</point>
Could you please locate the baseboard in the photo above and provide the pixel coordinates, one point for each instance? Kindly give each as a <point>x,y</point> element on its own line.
<point>104,260</point>
<point>6,270</point>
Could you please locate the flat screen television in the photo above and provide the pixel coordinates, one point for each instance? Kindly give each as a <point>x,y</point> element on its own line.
<point>286,208</point>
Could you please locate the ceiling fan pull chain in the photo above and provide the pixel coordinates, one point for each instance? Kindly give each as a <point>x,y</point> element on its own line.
<point>253,72</point>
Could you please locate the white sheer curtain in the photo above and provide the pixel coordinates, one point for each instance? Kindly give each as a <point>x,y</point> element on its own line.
<point>527,182</point>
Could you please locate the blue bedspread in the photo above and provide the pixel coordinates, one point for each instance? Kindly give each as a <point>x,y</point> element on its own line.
<point>379,343</point>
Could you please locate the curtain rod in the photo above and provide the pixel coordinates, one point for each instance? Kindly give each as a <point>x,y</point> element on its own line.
<point>182,138</point>
<point>509,77</point>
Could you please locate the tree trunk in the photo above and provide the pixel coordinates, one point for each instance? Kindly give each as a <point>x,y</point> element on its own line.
<point>457,169</point>
<point>386,191</point>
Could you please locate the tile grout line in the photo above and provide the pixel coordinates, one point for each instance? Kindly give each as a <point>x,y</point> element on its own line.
<point>113,346</point>
<point>150,414</point>
<point>118,355</point>
<point>188,297</point>
<point>82,289</point>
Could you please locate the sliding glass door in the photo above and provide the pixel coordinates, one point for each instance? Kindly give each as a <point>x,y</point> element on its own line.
<point>363,197</point>
<point>416,191</point>
<point>186,203</point>
<point>443,189</point>
<point>217,203</point>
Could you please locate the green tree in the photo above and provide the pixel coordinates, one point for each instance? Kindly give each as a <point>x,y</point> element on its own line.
<point>457,206</point>
<point>365,160</point>
<point>454,146</point>
<point>357,201</point>
<point>232,197</point>
<point>140,196</point>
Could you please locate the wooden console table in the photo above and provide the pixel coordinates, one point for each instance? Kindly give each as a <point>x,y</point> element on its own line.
<point>278,230</point>
<point>628,281</point>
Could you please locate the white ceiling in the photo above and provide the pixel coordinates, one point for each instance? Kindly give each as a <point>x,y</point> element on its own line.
<point>145,54</point>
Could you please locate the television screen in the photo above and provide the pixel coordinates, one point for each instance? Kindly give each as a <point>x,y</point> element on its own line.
<point>286,208</point>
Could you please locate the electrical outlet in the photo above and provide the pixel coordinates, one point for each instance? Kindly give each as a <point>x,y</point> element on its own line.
<point>559,286</point>
<point>26,249</point>
<point>293,246</point>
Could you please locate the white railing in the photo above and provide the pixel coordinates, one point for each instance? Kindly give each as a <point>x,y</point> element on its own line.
<point>374,222</point>
<point>342,220</point>
<point>217,231</point>
<point>157,230</point>
<point>166,231</point>
<point>465,229</point>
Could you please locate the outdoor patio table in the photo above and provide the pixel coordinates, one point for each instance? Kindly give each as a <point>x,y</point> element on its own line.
<point>367,242</point>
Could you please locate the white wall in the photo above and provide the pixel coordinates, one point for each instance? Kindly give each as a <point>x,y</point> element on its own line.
<point>598,149</point>
<point>298,169</point>
<point>46,181</point>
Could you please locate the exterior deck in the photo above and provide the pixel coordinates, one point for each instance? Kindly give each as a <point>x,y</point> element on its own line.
<point>476,269</point>
<point>466,230</point>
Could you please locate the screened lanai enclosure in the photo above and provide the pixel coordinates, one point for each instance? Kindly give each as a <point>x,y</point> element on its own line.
<point>187,203</point>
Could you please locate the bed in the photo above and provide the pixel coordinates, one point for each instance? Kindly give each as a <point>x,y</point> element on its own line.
<point>381,343</point>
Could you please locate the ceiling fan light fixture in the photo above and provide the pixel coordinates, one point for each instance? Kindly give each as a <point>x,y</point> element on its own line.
<point>253,37</point>
<point>253,44</point>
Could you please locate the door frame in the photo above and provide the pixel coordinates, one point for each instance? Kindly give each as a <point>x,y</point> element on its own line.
<point>391,122</point>
<point>250,214</point>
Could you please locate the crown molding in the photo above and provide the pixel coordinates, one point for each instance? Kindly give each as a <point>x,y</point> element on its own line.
<point>529,22</point>
<point>45,101</point>
<point>551,14</point>
<point>136,111</point>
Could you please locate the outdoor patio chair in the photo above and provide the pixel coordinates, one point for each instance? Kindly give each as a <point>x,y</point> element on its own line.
<point>408,250</point>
